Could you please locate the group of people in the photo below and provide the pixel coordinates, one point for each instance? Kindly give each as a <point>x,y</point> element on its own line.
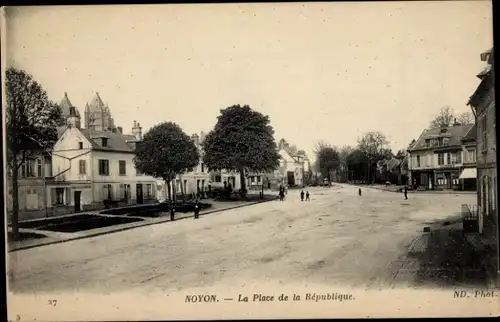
<point>283,192</point>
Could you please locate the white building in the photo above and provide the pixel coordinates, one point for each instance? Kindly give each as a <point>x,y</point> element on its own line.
<point>90,166</point>
<point>293,165</point>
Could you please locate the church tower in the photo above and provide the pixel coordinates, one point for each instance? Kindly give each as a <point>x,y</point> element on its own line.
<point>69,113</point>
<point>98,116</point>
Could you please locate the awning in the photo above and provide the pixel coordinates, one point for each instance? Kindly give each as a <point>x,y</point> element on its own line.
<point>468,173</point>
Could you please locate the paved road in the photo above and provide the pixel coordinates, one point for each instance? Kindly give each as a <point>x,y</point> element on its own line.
<point>338,238</point>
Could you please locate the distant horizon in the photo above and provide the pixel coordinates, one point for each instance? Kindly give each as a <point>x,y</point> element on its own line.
<point>314,69</point>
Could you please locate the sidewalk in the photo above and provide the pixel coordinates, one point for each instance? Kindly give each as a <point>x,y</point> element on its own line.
<point>442,258</point>
<point>395,188</point>
<point>58,237</point>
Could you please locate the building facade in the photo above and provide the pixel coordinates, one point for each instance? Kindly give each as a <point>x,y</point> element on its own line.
<point>92,166</point>
<point>482,103</point>
<point>435,160</point>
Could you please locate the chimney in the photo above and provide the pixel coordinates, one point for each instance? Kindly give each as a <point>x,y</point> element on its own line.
<point>137,131</point>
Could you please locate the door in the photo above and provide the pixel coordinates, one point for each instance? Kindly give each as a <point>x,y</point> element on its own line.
<point>77,195</point>
<point>139,193</point>
<point>291,178</point>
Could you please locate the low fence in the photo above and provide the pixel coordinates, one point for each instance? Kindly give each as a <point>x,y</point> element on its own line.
<point>472,219</point>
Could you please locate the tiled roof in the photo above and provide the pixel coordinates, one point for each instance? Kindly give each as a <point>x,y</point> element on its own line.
<point>456,134</point>
<point>471,134</point>
<point>117,142</point>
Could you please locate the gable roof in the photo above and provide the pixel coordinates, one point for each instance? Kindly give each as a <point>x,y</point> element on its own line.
<point>117,142</point>
<point>457,133</point>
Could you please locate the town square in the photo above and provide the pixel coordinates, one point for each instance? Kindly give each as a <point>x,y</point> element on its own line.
<point>278,143</point>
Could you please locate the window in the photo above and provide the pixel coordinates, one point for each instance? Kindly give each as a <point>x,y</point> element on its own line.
<point>104,142</point>
<point>427,143</point>
<point>138,172</point>
<point>202,167</point>
<point>448,158</point>
<point>418,160</point>
<point>445,141</point>
<point>123,194</point>
<point>218,178</point>
<point>258,179</point>
<point>80,145</point>
<point>82,166</point>
<point>109,191</point>
<point>59,196</point>
<point>459,157</point>
<point>39,167</point>
<point>28,168</point>
<point>483,134</point>
<point>471,156</point>
<point>149,190</point>
<point>104,167</point>
<point>440,158</point>
<point>122,167</point>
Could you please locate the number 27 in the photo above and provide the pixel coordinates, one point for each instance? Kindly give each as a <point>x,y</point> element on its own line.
<point>52,302</point>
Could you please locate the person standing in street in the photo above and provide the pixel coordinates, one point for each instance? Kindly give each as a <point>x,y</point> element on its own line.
<point>359,192</point>
<point>405,191</point>
<point>196,210</point>
<point>302,195</point>
<point>172,211</point>
<point>307,196</point>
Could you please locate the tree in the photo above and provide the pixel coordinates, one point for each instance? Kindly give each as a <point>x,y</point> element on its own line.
<point>327,159</point>
<point>401,153</point>
<point>445,117</point>
<point>357,163</point>
<point>242,140</point>
<point>165,152</point>
<point>31,126</point>
<point>376,147</point>
<point>466,118</point>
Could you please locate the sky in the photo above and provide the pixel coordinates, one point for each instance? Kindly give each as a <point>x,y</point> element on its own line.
<point>321,71</point>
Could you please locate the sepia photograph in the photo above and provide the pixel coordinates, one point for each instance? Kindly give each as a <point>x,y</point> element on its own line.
<point>250,160</point>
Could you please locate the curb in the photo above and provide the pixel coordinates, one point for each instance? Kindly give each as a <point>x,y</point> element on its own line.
<point>133,227</point>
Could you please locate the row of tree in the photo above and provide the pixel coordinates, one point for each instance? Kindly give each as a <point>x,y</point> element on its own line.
<point>242,140</point>
<point>360,162</point>
<point>353,163</point>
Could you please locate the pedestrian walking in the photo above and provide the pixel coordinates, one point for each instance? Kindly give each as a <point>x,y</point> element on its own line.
<point>302,195</point>
<point>172,212</point>
<point>405,191</point>
<point>196,210</point>
<point>359,192</point>
<point>307,196</point>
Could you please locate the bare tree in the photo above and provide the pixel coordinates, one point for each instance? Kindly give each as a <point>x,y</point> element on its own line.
<point>376,147</point>
<point>466,118</point>
<point>445,117</point>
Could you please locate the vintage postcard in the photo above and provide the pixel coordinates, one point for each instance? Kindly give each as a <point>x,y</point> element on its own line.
<point>251,160</point>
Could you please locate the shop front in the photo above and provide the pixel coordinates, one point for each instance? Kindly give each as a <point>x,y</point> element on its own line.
<point>448,179</point>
